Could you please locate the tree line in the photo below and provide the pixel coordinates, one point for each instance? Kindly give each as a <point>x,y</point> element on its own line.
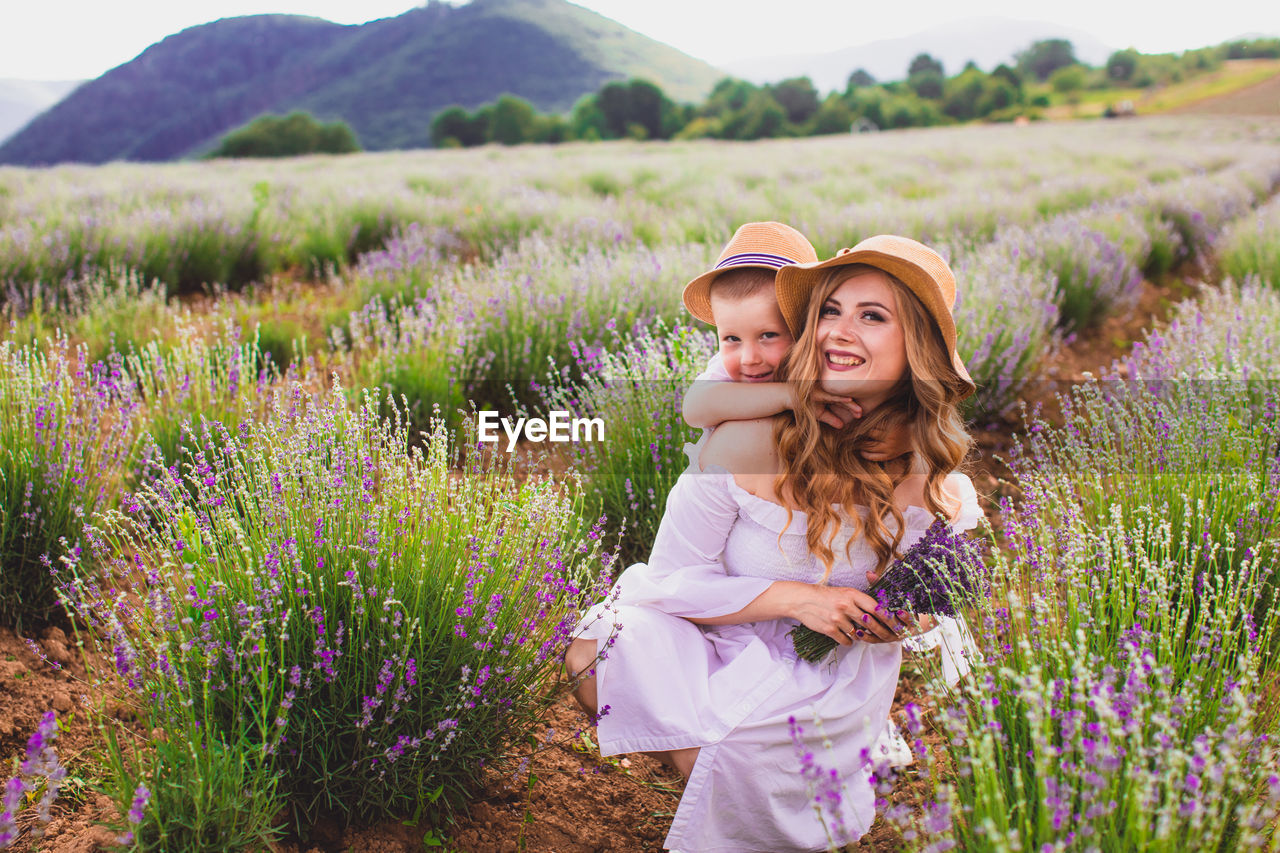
<point>737,109</point>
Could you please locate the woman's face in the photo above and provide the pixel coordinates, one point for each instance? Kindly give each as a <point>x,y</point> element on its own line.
<point>860,338</point>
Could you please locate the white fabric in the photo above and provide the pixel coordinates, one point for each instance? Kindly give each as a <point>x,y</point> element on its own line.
<point>671,684</point>
<point>714,372</point>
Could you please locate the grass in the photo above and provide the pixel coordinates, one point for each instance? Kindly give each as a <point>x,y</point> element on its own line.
<point>1232,77</point>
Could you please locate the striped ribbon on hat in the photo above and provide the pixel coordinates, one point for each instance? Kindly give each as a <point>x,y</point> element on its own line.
<point>761,259</point>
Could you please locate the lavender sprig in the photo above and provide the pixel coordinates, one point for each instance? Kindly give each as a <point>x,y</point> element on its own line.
<point>41,762</point>
<point>937,575</point>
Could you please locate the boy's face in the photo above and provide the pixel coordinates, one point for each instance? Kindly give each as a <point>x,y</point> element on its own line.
<point>753,335</point>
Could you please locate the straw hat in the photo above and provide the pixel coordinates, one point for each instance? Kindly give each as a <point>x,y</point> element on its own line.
<point>770,245</point>
<point>917,266</point>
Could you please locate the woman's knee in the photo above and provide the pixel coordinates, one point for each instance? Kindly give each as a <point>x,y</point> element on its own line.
<point>579,661</point>
<point>580,658</point>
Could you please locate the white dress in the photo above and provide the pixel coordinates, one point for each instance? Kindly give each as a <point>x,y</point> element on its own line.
<point>731,689</point>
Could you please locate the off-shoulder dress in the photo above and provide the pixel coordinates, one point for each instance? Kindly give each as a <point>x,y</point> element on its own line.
<point>731,689</point>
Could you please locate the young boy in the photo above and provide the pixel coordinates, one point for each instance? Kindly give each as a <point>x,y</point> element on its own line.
<point>737,297</point>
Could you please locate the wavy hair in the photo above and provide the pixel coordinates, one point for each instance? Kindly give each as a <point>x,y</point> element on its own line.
<point>823,472</point>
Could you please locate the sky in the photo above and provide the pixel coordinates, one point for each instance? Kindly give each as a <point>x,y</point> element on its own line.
<point>75,39</point>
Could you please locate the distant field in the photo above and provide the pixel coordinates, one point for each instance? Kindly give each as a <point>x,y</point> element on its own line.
<point>1259,98</point>
<point>1240,87</point>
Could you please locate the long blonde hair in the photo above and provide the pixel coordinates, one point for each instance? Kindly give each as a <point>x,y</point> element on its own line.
<point>823,472</point>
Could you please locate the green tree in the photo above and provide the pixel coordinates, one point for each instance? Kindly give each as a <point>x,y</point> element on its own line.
<point>1122,64</point>
<point>1008,75</point>
<point>924,63</point>
<point>1044,57</point>
<point>587,120</point>
<point>728,94</point>
<point>455,123</point>
<point>1069,80</point>
<point>513,121</point>
<point>798,97</point>
<point>761,118</point>
<point>927,84</point>
<point>287,136</point>
<point>859,79</point>
<point>637,102</point>
<point>833,116</point>
<point>997,95</point>
<point>550,128</point>
<point>962,94</point>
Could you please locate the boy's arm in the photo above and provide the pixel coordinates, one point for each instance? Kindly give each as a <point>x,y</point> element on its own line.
<point>709,404</point>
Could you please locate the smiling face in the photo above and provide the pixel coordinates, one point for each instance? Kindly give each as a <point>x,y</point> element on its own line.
<point>860,339</point>
<point>753,335</point>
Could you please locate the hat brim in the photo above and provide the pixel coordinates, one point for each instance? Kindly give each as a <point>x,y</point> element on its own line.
<point>794,285</point>
<point>697,293</point>
<point>697,297</point>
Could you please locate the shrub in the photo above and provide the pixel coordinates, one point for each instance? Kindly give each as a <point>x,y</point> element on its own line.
<point>66,427</point>
<point>1123,676</point>
<point>1114,699</point>
<point>223,380</point>
<point>1006,324</point>
<point>287,136</point>
<point>1251,246</point>
<point>414,355</point>
<point>108,310</point>
<point>1095,276</point>
<point>369,624</point>
<point>1231,334</point>
<point>189,790</point>
<point>635,388</point>
<point>530,307</point>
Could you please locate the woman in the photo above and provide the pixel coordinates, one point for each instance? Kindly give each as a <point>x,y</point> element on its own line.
<point>755,541</point>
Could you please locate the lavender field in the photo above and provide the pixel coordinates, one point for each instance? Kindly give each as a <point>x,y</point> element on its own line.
<point>238,464</point>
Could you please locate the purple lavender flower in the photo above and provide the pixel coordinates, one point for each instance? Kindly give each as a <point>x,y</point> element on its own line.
<point>937,575</point>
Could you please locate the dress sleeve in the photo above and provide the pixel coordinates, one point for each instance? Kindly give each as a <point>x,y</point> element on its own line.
<point>685,575</point>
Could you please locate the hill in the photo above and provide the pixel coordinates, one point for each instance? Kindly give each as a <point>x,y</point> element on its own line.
<point>1254,98</point>
<point>386,78</point>
<point>987,41</point>
<point>22,100</point>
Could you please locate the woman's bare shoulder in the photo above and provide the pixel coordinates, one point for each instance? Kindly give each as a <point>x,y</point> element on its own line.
<point>910,492</point>
<point>741,447</point>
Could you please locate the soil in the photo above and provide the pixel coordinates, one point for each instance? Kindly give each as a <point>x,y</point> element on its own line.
<point>568,799</point>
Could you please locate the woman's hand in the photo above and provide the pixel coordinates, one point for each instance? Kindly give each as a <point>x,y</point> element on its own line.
<point>845,614</point>
<point>919,622</point>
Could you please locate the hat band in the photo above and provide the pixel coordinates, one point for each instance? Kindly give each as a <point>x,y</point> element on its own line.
<point>759,259</point>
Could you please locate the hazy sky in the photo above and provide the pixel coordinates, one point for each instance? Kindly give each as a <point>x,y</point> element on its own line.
<point>71,39</point>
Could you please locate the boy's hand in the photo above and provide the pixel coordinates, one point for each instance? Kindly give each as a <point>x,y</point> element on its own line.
<point>833,410</point>
<point>885,447</point>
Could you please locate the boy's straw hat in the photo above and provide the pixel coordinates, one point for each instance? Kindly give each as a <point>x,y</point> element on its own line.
<point>770,245</point>
<point>917,266</point>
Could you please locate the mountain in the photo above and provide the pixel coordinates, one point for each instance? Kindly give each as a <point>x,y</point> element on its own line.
<point>386,78</point>
<point>988,41</point>
<point>23,100</point>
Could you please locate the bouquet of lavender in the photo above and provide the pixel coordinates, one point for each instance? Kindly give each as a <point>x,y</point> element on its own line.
<point>937,575</point>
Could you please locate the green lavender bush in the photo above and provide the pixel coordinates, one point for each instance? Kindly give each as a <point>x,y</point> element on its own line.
<point>66,428</point>
<point>370,629</point>
<point>634,388</point>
